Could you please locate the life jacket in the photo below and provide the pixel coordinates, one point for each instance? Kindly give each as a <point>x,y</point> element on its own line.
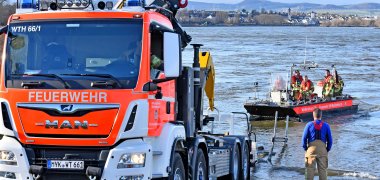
<point>327,79</point>
<point>307,84</point>
<point>317,128</point>
<point>298,79</point>
<point>296,82</point>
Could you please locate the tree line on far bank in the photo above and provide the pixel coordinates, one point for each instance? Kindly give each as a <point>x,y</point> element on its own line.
<point>244,17</point>
<point>352,23</point>
<point>187,17</point>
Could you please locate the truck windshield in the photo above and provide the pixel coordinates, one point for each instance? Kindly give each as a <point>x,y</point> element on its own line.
<point>76,52</point>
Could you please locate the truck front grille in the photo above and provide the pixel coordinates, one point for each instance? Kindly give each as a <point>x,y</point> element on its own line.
<point>95,157</point>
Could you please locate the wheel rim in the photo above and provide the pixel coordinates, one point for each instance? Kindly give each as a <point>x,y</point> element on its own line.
<point>236,165</point>
<point>177,174</point>
<point>245,165</point>
<point>200,171</point>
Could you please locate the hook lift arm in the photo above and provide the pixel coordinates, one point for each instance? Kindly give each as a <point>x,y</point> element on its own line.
<point>169,8</point>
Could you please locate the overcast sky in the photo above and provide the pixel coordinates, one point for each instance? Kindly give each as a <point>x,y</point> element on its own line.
<point>337,2</point>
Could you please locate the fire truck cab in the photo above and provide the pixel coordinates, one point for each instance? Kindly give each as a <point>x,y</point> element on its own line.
<point>94,89</point>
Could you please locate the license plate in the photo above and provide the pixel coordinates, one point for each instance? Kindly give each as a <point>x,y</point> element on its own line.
<point>53,164</point>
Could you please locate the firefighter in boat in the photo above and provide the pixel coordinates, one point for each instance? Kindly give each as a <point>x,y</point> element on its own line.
<point>328,76</point>
<point>328,85</point>
<point>338,84</point>
<point>306,89</point>
<point>296,84</point>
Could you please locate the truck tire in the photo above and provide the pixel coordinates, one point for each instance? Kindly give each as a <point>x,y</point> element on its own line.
<point>201,166</point>
<point>178,169</point>
<point>245,175</point>
<point>235,164</point>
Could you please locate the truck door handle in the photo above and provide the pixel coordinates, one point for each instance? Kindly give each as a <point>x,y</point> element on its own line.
<point>167,107</point>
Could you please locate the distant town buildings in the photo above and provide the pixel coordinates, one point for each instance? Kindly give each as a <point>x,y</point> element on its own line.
<point>270,17</point>
<point>309,19</point>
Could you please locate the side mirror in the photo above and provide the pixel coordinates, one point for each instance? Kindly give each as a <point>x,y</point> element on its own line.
<point>3,30</point>
<point>172,55</point>
<point>150,86</point>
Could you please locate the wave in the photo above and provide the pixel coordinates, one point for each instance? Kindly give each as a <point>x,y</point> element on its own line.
<point>360,175</point>
<point>370,107</point>
<point>331,172</point>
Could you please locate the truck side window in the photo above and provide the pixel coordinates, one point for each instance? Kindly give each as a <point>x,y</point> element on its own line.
<point>156,54</point>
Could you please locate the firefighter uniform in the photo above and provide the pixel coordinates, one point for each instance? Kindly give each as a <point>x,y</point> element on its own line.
<point>339,87</point>
<point>329,89</point>
<point>307,89</point>
<point>296,83</point>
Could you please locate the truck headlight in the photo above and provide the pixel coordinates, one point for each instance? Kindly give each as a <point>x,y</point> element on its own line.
<point>7,175</point>
<point>131,160</point>
<point>7,158</point>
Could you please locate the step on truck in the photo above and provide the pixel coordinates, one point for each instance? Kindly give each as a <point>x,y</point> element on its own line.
<point>96,89</point>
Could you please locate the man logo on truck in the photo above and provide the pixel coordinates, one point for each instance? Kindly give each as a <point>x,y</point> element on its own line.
<point>66,108</point>
<point>66,124</point>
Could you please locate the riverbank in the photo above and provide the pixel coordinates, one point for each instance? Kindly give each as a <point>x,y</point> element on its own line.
<point>238,25</point>
<point>269,25</point>
<point>253,18</point>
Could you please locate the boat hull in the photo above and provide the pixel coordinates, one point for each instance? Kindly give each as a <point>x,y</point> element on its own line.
<point>304,112</point>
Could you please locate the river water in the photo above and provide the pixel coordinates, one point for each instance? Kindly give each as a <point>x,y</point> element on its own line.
<point>244,55</point>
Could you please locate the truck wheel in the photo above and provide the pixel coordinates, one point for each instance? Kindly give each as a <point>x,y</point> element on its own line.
<point>200,166</point>
<point>235,166</point>
<point>245,162</point>
<point>178,168</point>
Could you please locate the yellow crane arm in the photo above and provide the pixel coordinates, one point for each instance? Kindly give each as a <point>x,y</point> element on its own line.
<point>207,66</point>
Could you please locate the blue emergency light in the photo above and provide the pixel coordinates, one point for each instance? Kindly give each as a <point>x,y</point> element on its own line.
<point>28,4</point>
<point>135,2</point>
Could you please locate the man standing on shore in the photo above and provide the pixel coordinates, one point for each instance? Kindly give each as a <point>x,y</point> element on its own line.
<point>317,142</point>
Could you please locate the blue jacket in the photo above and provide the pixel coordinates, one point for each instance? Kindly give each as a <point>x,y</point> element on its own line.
<point>310,136</point>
